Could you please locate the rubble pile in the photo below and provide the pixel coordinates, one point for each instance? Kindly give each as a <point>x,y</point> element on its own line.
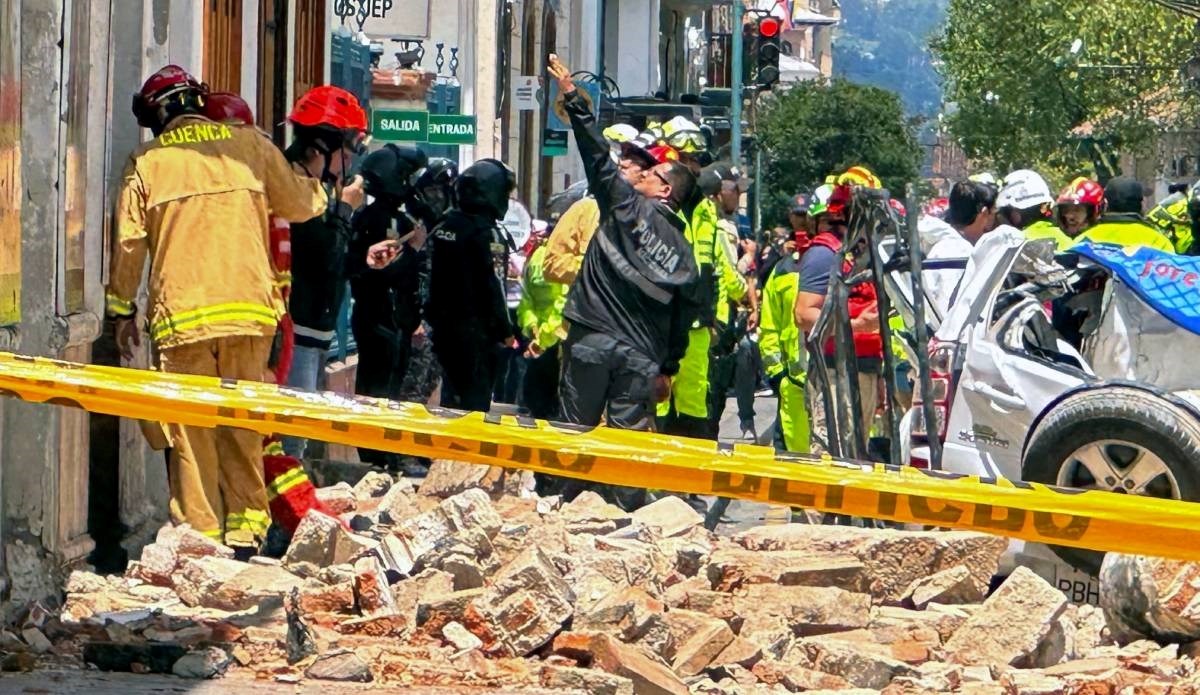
<point>475,582</point>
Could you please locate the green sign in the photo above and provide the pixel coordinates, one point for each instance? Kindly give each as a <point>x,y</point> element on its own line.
<point>451,130</point>
<point>554,143</point>
<point>400,126</point>
<point>390,125</point>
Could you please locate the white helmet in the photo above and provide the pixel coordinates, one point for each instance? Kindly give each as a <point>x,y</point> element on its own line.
<point>1023,189</point>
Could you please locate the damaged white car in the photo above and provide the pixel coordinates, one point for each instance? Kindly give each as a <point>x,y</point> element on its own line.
<point>1074,371</point>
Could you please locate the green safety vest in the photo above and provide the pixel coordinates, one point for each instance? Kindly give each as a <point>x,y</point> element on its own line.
<point>1127,232</point>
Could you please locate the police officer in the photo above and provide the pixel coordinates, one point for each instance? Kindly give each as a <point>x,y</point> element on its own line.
<point>1121,222</point>
<point>467,309</point>
<point>387,305</point>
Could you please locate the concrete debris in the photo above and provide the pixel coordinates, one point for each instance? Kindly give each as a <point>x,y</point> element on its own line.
<point>205,663</point>
<point>475,584</point>
<point>372,592</point>
<point>372,485</point>
<point>36,640</point>
<point>949,586</point>
<point>448,478</point>
<point>1012,625</point>
<point>320,541</point>
<point>669,516</point>
<point>343,665</point>
<point>462,638</point>
<point>339,498</point>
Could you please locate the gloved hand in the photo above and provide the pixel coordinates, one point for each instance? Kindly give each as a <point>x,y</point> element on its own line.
<point>775,381</point>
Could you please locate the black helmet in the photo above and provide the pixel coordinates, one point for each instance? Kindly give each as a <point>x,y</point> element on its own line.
<point>386,172</point>
<point>484,188</point>
<point>439,171</point>
<point>435,184</point>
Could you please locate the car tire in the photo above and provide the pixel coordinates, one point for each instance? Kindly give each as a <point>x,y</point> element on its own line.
<point>1115,421</point>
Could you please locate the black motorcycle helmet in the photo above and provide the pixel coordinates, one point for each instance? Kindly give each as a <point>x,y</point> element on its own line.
<point>387,171</point>
<point>484,188</point>
<point>435,184</point>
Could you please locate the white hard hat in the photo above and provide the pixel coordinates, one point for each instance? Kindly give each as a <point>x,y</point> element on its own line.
<point>1024,189</point>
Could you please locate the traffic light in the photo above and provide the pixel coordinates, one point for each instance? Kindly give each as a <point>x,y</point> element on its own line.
<point>761,43</point>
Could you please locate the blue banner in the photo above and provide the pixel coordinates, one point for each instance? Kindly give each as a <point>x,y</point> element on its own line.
<point>1168,282</point>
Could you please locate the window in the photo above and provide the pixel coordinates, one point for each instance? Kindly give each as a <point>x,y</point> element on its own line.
<point>272,67</point>
<point>223,45</point>
<point>310,45</point>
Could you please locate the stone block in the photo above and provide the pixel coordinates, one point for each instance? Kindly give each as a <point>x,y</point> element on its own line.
<point>1012,625</point>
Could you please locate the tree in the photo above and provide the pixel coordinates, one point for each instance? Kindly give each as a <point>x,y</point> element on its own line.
<point>884,43</point>
<point>1056,83</point>
<point>814,129</point>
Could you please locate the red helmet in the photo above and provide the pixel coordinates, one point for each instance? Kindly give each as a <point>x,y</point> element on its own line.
<point>170,86</point>
<point>1083,191</point>
<point>227,107</point>
<point>938,207</point>
<point>331,107</point>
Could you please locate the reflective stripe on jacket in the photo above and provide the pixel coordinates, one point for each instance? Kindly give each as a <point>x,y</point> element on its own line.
<point>195,201</point>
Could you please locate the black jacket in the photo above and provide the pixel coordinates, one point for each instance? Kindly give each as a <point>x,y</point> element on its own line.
<point>639,282</point>
<point>466,301</point>
<point>319,257</point>
<point>389,298</point>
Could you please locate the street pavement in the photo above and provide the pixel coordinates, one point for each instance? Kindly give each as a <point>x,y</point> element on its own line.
<point>741,514</point>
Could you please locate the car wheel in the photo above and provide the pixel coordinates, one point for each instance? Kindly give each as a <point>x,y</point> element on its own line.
<point>1117,439</point>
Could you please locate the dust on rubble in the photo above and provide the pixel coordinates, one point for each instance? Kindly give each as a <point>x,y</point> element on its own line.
<point>473,582</point>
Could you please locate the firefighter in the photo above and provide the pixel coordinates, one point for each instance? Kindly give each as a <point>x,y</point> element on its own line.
<point>328,125</point>
<point>467,308</point>
<point>825,257</point>
<point>214,305</point>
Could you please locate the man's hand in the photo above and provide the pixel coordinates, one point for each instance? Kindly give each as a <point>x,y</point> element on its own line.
<point>533,350</point>
<point>662,388</point>
<point>381,255</point>
<point>748,247</point>
<point>353,193</point>
<point>419,236</point>
<point>128,336</point>
<point>867,321</point>
<point>752,321</point>
<point>562,74</point>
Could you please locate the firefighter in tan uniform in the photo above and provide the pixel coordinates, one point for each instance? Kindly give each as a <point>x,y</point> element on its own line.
<point>195,200</point>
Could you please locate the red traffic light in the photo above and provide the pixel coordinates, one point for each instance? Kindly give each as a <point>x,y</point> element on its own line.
<point>769,27</point>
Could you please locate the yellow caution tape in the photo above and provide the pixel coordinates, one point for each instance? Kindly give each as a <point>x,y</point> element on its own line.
<point>1031,511</point>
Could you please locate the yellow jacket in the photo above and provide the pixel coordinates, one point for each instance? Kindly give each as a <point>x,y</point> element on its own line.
<point>569,240</point>
<point>195,199</point>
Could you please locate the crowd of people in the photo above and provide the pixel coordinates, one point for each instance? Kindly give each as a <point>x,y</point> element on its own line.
<point>639,306</point>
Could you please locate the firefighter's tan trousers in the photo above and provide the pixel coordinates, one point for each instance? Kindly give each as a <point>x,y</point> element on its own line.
<point>217,474</point>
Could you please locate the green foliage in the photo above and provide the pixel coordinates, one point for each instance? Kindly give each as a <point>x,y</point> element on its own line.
<point>1024,98</point>
<point>816,128</point>
<point>884,43</point>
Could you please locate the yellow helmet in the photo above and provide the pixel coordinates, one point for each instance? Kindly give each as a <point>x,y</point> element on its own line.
<point>859,176</point>
<point>684,135</point>
<point>620,132</point>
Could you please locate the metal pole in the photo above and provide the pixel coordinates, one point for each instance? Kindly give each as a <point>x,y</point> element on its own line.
<point>758,186</point>
<point>922,331</point>
<point>602,7</point>
<point>735,100</point>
